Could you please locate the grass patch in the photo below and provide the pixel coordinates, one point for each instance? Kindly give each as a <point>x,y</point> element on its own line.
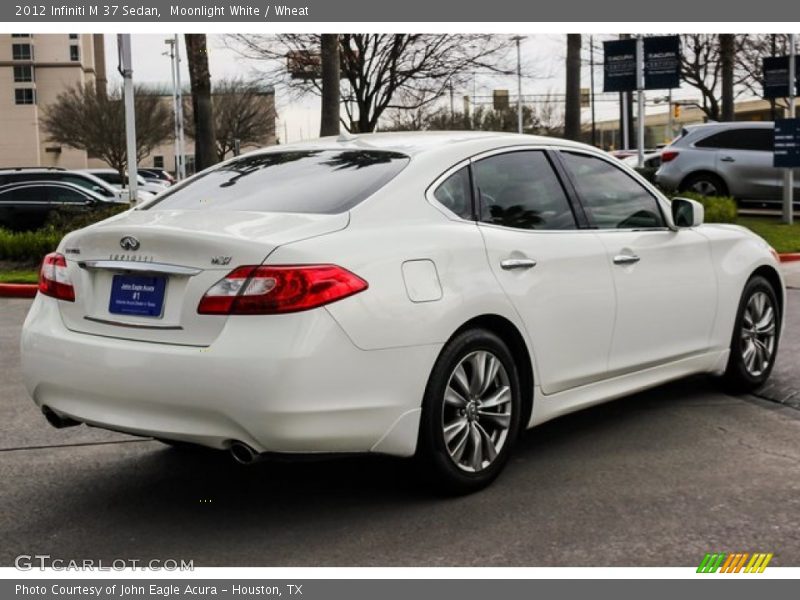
<point>19,276</point>
<point>782,237</point>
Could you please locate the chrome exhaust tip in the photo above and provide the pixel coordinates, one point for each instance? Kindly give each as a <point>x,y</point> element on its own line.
<point>56,420</point>
<point>243,454</point>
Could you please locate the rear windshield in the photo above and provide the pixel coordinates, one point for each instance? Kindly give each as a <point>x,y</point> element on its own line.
<point>303,181</point>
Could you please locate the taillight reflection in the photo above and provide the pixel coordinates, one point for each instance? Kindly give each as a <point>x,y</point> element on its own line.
<point>54,280</point>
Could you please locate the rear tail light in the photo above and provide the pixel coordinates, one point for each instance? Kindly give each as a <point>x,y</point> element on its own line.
<point>668,155</point>
<point>53,278</point>
<point>262,290</point>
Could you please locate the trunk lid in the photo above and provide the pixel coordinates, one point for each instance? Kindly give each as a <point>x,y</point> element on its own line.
<point>178,253</point>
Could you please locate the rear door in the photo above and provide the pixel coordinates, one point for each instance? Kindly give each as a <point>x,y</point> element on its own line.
<point>665,281</point>
<point>744,160</point>
<point>554,273</point>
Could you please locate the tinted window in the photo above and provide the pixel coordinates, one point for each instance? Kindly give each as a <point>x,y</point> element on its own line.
<point>520,189</point>
<point>109,177</point>
<point>304,181</point>
<point>25,194</point>
<point>65,194</point>
<point>455,193</point>
<point>740,139</point>
<point>612,199</point>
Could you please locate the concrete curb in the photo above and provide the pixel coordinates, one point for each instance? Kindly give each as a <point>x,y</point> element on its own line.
<point>18,290</point>
<point>789,257</point>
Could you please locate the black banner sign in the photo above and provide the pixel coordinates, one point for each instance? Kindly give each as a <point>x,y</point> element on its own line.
<point>776,76</point>
<point>787,143</point>
<point>662,62</point>
<point>619,65</point>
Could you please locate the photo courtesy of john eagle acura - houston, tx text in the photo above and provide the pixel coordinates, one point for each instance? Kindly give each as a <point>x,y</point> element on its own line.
<point>426,295</point>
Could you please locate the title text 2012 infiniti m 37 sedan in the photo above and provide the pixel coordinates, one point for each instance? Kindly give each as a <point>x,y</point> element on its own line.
<point>427,294</point>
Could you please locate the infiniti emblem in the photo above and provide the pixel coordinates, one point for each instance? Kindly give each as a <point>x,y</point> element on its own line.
<point>129,243</point>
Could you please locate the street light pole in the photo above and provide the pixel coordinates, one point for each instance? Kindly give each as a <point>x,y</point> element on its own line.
<point>179,114</point>
<point>126,70</point>
<point>518,39</point>
<point>788,174</point>
<point>640,98</point>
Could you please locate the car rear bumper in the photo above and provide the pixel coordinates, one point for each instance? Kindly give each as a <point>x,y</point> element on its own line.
<point>282,383</point>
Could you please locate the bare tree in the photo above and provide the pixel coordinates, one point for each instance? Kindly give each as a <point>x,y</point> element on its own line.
<point>204,145</point>
<point>701,68</point>
<point>93,120</point>
<point>572,125</point>
<point>727,55</point>
<point>331,108</point>
<point>383,71</point>
<point>243,111</point>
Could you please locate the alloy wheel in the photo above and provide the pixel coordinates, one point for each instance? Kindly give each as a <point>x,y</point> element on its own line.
<point>758,333</point>
<point>477,411</point>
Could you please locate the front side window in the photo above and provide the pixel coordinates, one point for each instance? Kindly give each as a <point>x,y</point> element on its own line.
<point>21,52</point>
<point>521,190</point>
<point>65,195</point>
<point>612,198</point>
<point>455,193</point>
<point>301,181</point>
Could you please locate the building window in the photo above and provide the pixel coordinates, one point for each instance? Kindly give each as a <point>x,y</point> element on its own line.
<point>24,96</point>
<point>23,74</point>
<point>158,162</point>
<point>74,53</point>
<point>21,52</point>
<point>21,35</point>
<point>73,36</point>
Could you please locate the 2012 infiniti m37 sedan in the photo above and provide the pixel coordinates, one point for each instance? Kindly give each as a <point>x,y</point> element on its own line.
<point>425,294</point>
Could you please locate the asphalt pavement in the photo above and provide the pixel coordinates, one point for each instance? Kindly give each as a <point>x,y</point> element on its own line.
<point>655,479</point>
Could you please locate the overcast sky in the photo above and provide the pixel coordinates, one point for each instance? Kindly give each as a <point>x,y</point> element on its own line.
<point>543,58</point>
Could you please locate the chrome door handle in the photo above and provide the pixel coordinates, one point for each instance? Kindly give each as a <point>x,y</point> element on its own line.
<point>728,159</point>
<point>510,264</point>
<point>626,259</point>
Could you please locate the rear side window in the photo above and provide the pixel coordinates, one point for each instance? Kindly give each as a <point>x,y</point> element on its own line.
<point>521,190</point>
<point>455,193</point>
<point>740,139</point>
<point>302,181</point>
<point>612,199</point>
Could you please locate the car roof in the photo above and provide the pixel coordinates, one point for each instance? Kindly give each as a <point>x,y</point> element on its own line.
<point>721,126</point>
<point>50,183</point>
<point>421,142</point>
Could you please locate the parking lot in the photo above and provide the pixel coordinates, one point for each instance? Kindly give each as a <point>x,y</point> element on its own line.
<point>656,479</point>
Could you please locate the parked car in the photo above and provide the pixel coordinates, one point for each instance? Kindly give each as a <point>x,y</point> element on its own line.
<point>27,205</point>
<point>429,294</point>
<point>721,159</point>
<point>159,176</point>
<point>112,177</point>
<point>652,160</point>
<point>79,178</point>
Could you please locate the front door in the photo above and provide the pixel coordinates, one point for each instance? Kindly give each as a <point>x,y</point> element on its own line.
<point>665,282</point>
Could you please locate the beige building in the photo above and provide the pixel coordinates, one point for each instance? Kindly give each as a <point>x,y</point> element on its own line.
<point>34,69</point>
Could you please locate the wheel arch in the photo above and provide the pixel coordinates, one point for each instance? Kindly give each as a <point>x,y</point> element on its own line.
<point>682,184</point>
<point>771,275</point>
<point>512,336</point>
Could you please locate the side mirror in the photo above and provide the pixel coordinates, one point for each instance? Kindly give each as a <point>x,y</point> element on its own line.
<point>687,213</point>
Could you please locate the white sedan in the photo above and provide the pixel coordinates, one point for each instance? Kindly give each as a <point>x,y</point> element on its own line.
<point>428,294</point>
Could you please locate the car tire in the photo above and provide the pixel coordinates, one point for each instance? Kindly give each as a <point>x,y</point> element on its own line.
<point>754,343</point>
<point>471,413</point>
<point>705,184</point>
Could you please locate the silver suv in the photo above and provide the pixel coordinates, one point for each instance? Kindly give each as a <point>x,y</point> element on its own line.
<point>720,159</point>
